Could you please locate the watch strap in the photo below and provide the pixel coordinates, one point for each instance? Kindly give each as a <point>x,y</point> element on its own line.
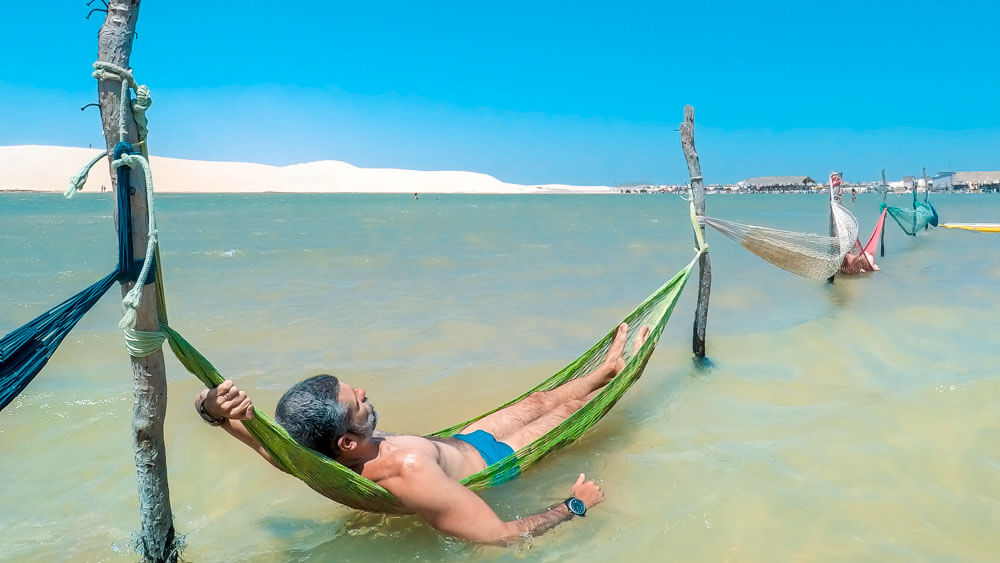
<point>211,420</point>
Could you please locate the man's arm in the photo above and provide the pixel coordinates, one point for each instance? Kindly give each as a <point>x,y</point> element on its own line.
<point>427,490</point>
<point>232,405</point>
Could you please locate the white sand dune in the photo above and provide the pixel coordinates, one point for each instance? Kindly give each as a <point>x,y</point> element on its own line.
<point>48,169</point>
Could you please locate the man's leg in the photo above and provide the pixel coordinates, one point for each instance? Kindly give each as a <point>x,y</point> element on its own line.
<point>586,386</point>
<point>541,411</point>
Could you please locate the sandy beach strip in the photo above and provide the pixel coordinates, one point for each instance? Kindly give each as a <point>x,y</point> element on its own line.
<point>38,168</point>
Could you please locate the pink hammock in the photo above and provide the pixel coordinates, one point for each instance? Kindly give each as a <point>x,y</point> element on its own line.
<point>862,259</point>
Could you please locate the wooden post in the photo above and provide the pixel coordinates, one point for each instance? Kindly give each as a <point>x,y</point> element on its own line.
<point>885,191</point>
<point>927,191</point>
<point>156,540</point>
<point>704,264</point>
<point>836,195</point>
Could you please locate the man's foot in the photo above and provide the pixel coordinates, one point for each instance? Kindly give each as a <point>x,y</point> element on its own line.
<point>641,338</point>
<point>616,353</point>
<point>871,260</point>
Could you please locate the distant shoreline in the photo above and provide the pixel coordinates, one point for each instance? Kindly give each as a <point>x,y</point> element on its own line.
<point>36,168</point>
<point>47,169</point>
<point>421,194</point>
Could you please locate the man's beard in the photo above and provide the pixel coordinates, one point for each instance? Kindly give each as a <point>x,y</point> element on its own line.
<point>367,429</point>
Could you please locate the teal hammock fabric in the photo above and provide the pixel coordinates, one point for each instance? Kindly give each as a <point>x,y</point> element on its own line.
<point>915,219</point>
<point>26,350</point>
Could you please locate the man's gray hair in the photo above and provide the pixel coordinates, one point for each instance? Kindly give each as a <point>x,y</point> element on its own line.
<point>312,413</point>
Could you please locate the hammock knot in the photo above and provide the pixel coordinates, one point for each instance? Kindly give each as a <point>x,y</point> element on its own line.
<point>129,317</point>
<point>129,160</point>
<point>133,297</point>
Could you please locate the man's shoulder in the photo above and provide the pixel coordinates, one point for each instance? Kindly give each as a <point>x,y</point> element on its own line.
<point>402,447</point>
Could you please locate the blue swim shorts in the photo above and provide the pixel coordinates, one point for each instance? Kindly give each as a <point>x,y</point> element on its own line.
<point>492,452</point>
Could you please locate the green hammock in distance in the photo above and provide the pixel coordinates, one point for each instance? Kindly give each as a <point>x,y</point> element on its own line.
<point>339,483</point>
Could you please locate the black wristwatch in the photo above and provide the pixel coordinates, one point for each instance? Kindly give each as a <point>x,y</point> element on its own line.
<point>576,506</point>
<point>207,417</point>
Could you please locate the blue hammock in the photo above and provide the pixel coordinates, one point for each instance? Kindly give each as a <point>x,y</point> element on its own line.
<point>26,350</point>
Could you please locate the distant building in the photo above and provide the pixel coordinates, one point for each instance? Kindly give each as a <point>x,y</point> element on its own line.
<point>942,182</point>
<point>897,187</point>
<point>909,182</point>
<point>778,184</point>
<point>976,181</point>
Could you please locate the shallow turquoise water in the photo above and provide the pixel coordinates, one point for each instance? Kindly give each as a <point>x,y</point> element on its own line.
<point>848,421</point>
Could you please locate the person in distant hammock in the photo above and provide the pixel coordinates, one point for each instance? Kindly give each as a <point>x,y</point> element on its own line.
<point>858,263</point>
<point>339,421</point>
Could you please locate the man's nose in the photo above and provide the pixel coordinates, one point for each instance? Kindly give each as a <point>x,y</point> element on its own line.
<point>361,394</point>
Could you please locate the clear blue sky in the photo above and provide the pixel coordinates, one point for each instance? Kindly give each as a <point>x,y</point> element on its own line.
<point>533,92</point>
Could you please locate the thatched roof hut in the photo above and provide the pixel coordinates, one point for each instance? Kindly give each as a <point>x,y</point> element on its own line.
<point>976,179</point>
<point>778,183</point>
<point>986,181</point>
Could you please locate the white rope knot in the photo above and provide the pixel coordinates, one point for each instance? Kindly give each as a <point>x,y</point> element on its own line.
<point>109,71</point>
<point>140,104</point>
<point>130,160</point>
<point>129,316</point>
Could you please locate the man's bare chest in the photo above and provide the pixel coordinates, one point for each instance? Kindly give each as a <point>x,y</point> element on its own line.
<point>456,458</point>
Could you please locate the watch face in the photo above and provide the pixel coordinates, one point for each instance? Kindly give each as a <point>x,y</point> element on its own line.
<point>576,506</point>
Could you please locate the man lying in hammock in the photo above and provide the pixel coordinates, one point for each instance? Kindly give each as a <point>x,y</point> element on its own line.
<point>338,421</point>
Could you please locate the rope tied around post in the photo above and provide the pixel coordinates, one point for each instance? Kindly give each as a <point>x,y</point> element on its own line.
<point>139,343</point>
<point>108,71</point>
<point>143,100</point>
<point>134,295</point>
<point>699,235</point>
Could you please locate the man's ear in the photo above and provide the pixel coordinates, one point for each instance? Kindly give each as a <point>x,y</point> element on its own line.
<point>347,443</point>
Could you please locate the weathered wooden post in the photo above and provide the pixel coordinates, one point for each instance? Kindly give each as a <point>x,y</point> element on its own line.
<point>836,195</point>
<point>704,264</point>
<point>927,191</point>
<point>156,541</point>
<point>885,191</point>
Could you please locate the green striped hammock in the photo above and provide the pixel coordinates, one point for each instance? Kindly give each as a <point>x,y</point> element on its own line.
<point>343,485</point>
